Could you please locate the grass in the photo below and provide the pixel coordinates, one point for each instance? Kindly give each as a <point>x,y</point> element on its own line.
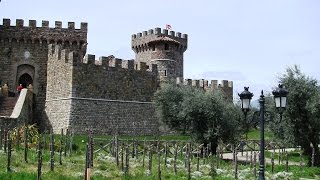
<point>254,134</point>
<point>72,167</point>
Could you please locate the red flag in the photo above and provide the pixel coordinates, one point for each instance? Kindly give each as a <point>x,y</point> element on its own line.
<point>168,26</point>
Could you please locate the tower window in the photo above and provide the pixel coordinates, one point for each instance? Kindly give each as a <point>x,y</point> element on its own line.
<point>166,47</point>
<point>153,47</point>
<point>165,72</point>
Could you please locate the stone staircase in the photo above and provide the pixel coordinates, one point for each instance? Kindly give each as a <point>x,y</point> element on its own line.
<point>7,105</point>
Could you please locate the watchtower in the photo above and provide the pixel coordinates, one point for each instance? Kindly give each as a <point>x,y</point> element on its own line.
<point>165,49</point>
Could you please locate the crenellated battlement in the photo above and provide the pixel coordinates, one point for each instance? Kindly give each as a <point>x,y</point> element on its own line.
<point>202,83</point>
<point>43,35</point>
<point>111,62</point>
<point>57,52</point>
<point>142,41</point>
<point>225,86</point>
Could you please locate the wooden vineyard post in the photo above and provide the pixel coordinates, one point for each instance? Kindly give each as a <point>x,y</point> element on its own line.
<point>150,158</point>
<point>198,159</point>
<point>26,144</point>
<point>212,171</point>
<point>91,148</point>
<point>51,150</point>
<point>87,163</point>
<point>272,163</point>
<point>122,152</point>
<point>133,148</point>
<point>1,137</point>
<point>39,159</point>
<point>287,162</point>
<point>9,153</point>
<point>279,156</point>
<point>144,151</point>
<point>71,141</point>
<point>126,171</point>
<point>5,139</point>
<point>66,142</point>
<point>218,156</point>
<point>136,148</point>
<point>175,158</point>
<point>204,153</point>
<point>60,149</point>
<point>117,150</point>
<point>159,160</point>
<point>235,160</point>
<point>166,154</point>
<point>313,156</point>
<point>188,160</point>
<point>255,164</point>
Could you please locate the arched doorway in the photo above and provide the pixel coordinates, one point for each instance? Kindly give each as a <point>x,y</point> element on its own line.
<point>25,79</point>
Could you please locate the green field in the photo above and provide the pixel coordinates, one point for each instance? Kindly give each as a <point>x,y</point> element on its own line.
<point>105,167</point>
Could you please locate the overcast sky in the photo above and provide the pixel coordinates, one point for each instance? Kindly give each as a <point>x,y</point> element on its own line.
<point>248,41</point>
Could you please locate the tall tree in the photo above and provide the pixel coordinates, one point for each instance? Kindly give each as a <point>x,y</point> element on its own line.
<point>203,114</point>
<point>302,117</point>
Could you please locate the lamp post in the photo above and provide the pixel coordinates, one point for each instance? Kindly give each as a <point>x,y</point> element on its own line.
<point>261,158</point>
<point>245,98</point>
<point>280,97</point>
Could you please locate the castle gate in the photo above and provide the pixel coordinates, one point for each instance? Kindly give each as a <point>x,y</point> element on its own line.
<point>25,75</point>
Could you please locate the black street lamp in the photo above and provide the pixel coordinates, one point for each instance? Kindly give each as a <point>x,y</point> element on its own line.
<point>280,97</point>
<point>245,98</point>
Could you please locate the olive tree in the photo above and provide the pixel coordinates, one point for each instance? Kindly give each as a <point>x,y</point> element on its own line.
<point>301,122</point>
<point>205,115</point>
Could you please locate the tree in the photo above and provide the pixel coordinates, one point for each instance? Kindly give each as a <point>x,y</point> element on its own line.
<point>204,114</point>
<point>301,122</point>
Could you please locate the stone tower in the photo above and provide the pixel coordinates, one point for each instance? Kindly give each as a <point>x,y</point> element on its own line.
<point>165,49</point>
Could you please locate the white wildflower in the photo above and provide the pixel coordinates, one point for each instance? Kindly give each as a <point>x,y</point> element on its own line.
<point>220,171</point>
<point>147,172</point>
<point>196,174</point>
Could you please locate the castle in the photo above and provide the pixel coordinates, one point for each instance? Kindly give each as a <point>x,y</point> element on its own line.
<point>72,89</point>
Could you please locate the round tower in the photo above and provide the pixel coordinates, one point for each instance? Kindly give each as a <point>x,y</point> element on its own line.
<point>165,49</point>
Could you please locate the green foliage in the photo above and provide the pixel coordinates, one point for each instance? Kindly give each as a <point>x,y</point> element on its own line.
<point>17,134</point>
<point>204,114</point>
<point>301,123</point>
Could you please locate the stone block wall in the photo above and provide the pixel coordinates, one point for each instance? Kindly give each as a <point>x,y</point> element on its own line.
<point>159,47</point>
<point>110,117</point>
<point>114,79</point>
<point>58,114</point>
<point>24,49</point>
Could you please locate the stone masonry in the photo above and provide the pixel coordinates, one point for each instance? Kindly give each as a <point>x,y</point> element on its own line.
<point>75,90</point>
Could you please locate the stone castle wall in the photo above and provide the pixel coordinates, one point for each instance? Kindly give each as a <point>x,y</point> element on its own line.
<point>113,117</point>
<point>24,49</point>
<point>103,96</point>
<point>114,79</point>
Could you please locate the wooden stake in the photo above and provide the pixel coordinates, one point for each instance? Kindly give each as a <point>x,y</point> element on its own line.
<point>26,144</point>
<point>39,159</point>
<point>52,151</point>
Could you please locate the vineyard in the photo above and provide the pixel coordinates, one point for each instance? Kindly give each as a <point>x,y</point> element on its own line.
<point>25,154</point>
